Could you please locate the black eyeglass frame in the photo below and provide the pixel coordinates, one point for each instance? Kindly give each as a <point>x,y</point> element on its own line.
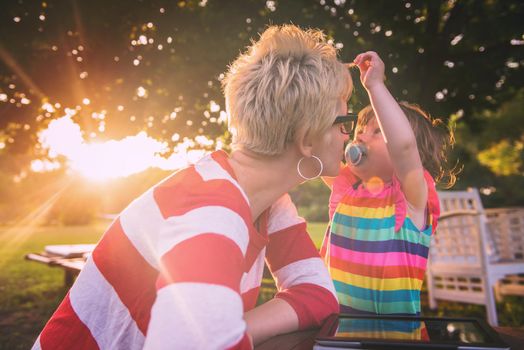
<point>343,119</point>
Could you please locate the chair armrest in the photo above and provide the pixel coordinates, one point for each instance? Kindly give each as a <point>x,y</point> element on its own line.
<point>454,213</point>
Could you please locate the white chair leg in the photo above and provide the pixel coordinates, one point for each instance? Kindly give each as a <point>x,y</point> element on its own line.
<point>433,303</point>
<point>431,298</point>
<point>491,307</point>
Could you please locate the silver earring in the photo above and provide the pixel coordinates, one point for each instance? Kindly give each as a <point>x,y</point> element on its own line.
<point>310,178</point>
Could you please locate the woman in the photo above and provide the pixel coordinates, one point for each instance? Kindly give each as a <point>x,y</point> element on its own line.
<point>182,265</point>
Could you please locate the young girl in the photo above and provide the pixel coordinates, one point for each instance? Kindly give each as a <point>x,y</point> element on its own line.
<point>384,205</point>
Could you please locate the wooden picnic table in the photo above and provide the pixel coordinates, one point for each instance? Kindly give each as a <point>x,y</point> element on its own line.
<point>70,257</point>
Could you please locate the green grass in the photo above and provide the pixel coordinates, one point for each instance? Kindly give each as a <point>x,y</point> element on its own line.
<point>316,231</point>
<point>30,292</point>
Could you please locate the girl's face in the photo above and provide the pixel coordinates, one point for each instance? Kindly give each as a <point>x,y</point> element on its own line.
<point>377,162</point>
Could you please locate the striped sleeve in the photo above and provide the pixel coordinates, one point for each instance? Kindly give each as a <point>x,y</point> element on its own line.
<point>432,206</point>
<point>433,202</point>
<point>301,276</point>
<point>201,252</point>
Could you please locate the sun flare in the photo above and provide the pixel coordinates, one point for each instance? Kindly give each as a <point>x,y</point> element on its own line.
<point>113,158</point>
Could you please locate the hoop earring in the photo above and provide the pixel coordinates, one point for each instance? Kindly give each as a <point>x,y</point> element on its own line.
<point>310,178</point>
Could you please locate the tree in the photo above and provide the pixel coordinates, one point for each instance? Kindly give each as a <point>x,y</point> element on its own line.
<point>127,66</point>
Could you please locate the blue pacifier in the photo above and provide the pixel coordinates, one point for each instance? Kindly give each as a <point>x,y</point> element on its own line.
<point>355,153</point>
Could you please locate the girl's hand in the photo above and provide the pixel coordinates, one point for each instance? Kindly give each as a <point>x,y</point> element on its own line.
<point>371,69</point>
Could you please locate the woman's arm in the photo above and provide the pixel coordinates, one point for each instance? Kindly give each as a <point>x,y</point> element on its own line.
<point>201,264</point>
<point>269,319</point>
<point>301,277</point>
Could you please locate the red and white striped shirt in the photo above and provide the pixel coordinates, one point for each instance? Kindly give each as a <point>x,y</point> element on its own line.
<point>183,262</point>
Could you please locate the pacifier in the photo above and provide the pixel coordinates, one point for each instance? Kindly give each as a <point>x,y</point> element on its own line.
<point>355,153</point>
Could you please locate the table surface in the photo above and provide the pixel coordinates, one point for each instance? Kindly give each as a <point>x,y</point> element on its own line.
<point>304,340</point>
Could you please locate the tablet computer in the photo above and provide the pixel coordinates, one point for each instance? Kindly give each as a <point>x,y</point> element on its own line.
<point>407,332</point>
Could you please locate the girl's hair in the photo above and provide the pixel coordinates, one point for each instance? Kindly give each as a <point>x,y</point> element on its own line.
<point>434,141</point>
<point>290,79</point>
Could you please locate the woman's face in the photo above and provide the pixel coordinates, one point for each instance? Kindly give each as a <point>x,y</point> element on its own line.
<point>331,146</point>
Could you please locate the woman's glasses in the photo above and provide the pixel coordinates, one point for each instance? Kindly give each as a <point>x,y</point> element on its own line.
<point>347,122</point>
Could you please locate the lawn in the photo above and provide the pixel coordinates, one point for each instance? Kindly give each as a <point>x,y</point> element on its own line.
<point>316,231</point>
<point>30,291</point>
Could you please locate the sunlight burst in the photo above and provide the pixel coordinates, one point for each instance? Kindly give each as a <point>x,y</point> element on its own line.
<point>113,158</point>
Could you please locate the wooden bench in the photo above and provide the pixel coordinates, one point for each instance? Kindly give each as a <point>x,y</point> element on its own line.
<point>70,257</point>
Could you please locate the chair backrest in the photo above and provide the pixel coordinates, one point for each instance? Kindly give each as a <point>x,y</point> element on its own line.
<point>466,249</point>
<point>461,232</point>
<point>506,226</point>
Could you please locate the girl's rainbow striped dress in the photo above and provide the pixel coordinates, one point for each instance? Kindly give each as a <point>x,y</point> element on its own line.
<point>382,329</point>
<point>376,256</point>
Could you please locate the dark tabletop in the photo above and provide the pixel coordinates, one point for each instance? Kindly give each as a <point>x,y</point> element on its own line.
<point>304,340</point>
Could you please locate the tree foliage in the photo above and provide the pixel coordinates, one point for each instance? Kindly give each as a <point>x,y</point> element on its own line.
<point>156,66</point>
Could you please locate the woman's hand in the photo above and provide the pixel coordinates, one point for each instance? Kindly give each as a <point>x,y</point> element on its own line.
<point>371,69</point>
<point>272,318</point>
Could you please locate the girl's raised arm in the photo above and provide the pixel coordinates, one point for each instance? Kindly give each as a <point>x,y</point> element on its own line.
<point>396,130</point>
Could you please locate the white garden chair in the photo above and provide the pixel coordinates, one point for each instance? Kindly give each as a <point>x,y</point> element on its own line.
<point>506,226</point>
<point>472,250</point>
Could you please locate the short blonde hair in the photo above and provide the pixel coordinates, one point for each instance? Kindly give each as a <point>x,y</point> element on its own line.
<point>287,80</point>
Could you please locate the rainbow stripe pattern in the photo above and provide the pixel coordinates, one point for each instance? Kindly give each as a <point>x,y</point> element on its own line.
<point>376,256</point>
<point>382,329</point>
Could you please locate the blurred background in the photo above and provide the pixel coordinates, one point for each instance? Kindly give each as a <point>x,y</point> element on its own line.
<point>99,100</point>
